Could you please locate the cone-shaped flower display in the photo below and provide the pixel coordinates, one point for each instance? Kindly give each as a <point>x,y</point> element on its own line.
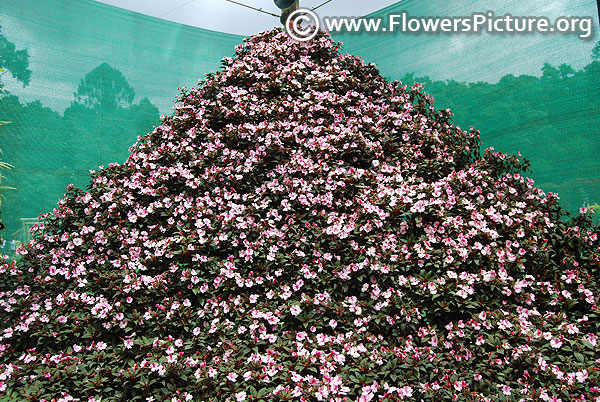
<point>301,229</point>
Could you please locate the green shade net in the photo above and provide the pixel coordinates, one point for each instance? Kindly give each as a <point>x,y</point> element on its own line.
<point>538,94</point>
<point>83,80</point>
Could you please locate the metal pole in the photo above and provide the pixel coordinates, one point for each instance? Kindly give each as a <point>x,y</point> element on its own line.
<point>286,13</point>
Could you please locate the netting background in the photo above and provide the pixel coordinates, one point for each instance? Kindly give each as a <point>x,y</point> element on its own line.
<point>98,76</point>
<point>534,93</point>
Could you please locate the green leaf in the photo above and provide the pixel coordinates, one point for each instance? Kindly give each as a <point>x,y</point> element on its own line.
<point>589,345</point>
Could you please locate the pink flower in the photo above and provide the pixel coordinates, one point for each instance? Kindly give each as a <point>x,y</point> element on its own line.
<point>240,396</point>
<point>504,324</point>
<point>582,376</point>
<point>506,390</point>
<point>556,343</point>
<point>100,346</point>
<point>572,329</point>
<point>591,338</point>
<point>405,392</point>
<point>232,377</point>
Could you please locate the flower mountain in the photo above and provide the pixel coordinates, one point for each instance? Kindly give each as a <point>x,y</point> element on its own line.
<point>302,229</point>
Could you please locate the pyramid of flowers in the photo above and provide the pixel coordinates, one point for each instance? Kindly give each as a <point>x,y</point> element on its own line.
<point>302,229</point>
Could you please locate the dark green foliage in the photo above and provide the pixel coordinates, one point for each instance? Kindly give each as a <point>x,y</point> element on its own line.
<point>303,230</point>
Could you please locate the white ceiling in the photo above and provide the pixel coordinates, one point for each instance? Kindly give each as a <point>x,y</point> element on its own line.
<point>223,16</point>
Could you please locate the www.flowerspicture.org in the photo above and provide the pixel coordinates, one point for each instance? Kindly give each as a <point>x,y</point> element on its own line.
<point>303,24</point>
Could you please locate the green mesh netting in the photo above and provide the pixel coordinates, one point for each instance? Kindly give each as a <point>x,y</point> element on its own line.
<point>535,94</point>
<point>83,80</point>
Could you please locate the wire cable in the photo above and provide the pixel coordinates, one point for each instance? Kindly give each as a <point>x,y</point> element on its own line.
<point>253,8</point>
<point>176,8</point>
<point>328,1</point>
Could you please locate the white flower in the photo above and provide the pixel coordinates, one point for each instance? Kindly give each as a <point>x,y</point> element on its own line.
<point>582,375</point>
<point>555,343</point>
<point>506,390</point>
<point>504,324</point>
